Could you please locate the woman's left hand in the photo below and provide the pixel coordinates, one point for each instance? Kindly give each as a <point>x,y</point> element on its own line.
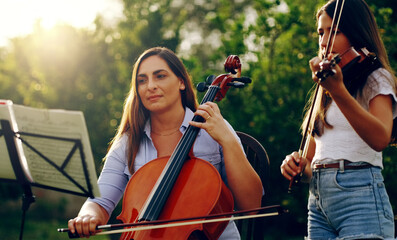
<point>214,123</point>
<point>243,181</point>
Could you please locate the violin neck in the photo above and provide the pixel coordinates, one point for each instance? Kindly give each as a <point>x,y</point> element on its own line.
<point>164,185</point>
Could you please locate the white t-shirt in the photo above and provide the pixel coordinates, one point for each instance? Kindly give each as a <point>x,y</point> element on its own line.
<point>341,141</point>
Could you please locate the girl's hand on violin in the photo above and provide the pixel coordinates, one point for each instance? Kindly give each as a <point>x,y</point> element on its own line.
<point>84,225</point>
<point>332,83</point>
<point>214,123</point>
<point>292,165</point>
<point>314,64</point>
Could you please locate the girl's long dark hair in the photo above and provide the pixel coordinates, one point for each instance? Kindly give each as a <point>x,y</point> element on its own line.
<point>359,25</point>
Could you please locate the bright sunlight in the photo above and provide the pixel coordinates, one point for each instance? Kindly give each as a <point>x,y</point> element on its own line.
<point>17,17</point>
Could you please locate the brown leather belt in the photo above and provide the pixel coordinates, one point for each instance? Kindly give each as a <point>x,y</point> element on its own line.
<point>337,165</point>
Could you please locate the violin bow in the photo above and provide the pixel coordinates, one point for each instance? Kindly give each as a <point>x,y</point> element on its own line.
<point>303,148</point>
<point>220,217</point>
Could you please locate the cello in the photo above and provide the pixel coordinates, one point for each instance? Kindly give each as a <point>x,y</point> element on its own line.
<point>162,188</point>
<point>139,217</point>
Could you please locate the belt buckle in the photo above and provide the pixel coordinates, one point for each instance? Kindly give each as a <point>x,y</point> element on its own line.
<point>342,166</point>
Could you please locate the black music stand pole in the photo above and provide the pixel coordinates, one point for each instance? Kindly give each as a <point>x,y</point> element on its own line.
<point>28,197</point>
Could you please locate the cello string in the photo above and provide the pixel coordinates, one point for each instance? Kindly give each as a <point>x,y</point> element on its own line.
<point>185,142</point>
<point>163,180</point>
<point>148,209</point>
<point>173,166</point>
<point>176,159</point>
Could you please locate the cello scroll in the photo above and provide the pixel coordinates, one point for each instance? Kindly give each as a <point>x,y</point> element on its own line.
<point>233,79</point>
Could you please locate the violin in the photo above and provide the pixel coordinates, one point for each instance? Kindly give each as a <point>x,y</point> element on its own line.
<point>355,64</point>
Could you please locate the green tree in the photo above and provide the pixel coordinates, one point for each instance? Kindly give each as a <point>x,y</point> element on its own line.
<point>90,70</point>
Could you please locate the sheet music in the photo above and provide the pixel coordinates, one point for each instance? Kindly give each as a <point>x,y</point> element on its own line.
<point>6,169</point>
<point>64,124</point>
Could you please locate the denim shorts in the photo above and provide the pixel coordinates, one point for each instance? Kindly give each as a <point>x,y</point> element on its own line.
<point>349,204</point>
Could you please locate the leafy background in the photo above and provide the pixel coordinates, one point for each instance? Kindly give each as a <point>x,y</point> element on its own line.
<point>90,70</point>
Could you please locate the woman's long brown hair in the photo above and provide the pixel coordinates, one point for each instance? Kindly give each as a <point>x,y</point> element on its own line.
<point>135,114</point>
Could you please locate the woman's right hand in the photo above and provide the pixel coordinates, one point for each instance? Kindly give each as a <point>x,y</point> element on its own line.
<point>84,225</point>
<point>292,165</point>
<point>90,216</point>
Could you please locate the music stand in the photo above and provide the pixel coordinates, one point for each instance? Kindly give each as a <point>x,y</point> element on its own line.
<point>28,198</point>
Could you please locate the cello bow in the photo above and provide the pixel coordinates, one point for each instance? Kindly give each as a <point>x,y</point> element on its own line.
<point>227,216</point>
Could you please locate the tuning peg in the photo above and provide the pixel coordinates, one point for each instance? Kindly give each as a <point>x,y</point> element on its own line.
<point>210,79</point>
<point>201,87</point>
<point>243,79</point>
<point>236,84</point>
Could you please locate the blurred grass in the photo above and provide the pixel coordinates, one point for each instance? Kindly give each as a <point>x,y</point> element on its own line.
<point>34,228</point>
<point>50,211</point>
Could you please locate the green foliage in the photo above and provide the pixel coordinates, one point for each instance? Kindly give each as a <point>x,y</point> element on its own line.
<point>90,70</point>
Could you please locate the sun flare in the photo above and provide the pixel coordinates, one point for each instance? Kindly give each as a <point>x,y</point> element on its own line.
<point>18,17</point>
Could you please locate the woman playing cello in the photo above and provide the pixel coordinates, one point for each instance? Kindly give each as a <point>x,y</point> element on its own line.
<point>157,111</point>
<point>353,124</point>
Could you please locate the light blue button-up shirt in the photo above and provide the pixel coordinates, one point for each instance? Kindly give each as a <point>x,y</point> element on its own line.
<point>115,174</point>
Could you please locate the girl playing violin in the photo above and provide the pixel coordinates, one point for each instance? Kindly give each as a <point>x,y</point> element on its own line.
<point>347,198</point>
<point>157,111</point>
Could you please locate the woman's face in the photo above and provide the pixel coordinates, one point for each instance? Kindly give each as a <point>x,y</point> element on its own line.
<point>324,30</point>
<point>158,86</point>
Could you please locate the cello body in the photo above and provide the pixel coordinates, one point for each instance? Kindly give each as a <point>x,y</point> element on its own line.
<point>198,191</point>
